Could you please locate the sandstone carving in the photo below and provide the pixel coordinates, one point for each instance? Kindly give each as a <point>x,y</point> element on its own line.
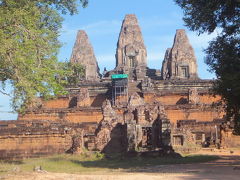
<point>77,143</point>
<point>193,97</point>
<point>135,100</point>
<point>83,54</point>
<point>180,62</point>
<point>106,126</point>
<point>147,125</point>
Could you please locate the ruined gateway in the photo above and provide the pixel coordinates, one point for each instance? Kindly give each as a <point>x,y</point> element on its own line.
<point>130,108</point>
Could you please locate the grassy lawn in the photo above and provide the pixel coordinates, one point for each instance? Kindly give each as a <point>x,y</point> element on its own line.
<point>96,162</point>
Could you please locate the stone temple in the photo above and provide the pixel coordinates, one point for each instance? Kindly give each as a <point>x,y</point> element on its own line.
<point>131,108</point>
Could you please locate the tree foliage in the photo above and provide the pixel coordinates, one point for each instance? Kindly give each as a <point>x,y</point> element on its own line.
<point>223,53</point>
<point>75,72</point>
<point>29,31</point>
<point>205,16</point>
<point>223,57</point>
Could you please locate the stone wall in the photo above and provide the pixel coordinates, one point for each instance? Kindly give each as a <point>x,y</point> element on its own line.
<point>228,139</point>
<point>20,139</point>
<point>208,114</point>
<point>179,98</point>
<point>189,135</point>
<point>71,102</point>
<point>61,102</point>
<point>74,115</point>
<point>166,99</point>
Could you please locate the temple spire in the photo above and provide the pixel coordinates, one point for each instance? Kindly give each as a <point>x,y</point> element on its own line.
<point>180,61</point>
<point>131,52</point>
<point>83,54</point>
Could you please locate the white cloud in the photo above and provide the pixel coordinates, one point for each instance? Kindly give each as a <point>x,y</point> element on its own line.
<point>101,24</point>
<point>100,28</point>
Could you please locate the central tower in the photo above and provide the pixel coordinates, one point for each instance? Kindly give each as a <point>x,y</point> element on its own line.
<point>131,53</point>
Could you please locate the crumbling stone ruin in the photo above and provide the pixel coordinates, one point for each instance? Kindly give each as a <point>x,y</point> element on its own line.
<point>129,109</point>
<point>20,139</point>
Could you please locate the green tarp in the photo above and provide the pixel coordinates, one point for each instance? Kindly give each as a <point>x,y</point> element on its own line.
<point>119,76</point>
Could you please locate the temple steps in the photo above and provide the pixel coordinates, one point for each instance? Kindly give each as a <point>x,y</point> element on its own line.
<point>134,87</point>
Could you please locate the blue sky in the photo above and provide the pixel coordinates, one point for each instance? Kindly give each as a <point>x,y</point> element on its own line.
<point>102,20</point>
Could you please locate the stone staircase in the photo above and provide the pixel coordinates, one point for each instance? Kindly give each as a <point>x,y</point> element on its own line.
<point>133,86</point>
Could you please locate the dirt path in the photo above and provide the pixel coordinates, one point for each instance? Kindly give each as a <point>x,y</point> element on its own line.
<point>226,168</point>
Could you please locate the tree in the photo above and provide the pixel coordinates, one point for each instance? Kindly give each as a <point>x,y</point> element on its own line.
<point>223,53</point>
<point>29,31</point>
<point>74,73</point>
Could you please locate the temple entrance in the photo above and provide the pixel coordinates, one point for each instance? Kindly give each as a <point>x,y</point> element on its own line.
<point>184,72</point>
<point>132,62</point>
<point>146,137</point>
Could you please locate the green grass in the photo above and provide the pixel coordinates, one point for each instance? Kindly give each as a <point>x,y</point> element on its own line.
<point>96,162</point>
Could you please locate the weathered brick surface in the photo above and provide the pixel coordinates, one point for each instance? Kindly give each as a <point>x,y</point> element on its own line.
<point>228,139</point>
<point>69,115</point>
<point>175,114</point>
<point>20,139</point>
<point>190,135</point>
<point>56,103</point>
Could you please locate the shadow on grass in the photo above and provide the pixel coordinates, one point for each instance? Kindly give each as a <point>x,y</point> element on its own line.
<point>135,163</point>
<point>14,162</point>
<point>56,159</point>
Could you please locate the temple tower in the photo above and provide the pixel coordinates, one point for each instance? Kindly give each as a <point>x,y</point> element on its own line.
<point>180,61</point>
<point>83,54</point>
<point>131,53</point>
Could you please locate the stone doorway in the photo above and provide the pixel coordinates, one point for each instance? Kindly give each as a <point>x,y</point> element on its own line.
<point>132,62</point>
<point>146,137</point>
<point>177,140</point>
<point>184,72</point>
